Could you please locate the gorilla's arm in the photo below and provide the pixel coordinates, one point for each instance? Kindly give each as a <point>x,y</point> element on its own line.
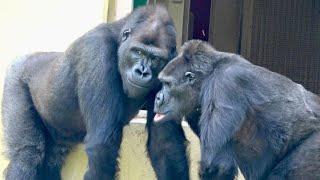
<point>101,101</point>
<point>166,147</point>
<point>223,165</point>
<point>224,107</point>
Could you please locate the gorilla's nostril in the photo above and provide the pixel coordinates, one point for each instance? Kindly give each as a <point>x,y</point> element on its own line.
<point>141,73</point>
<point>138,72</point>
<point>144,71</point>
<point>145,74</point>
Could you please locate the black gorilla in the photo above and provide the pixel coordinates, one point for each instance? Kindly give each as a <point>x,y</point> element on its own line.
<point>266,123</point>
<point>52,101</point>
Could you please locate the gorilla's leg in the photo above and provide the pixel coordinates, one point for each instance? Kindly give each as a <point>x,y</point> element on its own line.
<point>301,163</point>
<point>23,129</point>
<point>54,160</point>
<point>167,149</point>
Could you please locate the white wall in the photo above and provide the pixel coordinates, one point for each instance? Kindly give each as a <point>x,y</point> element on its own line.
<point>41,25</point>
<point>44,25</point>
<point>123,8</point>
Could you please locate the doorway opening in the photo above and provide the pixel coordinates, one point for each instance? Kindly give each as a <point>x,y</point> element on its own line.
<point>200,19</point>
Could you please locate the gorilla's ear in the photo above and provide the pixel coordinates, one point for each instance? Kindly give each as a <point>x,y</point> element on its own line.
<point>125,34</point>
<point>187,57</point>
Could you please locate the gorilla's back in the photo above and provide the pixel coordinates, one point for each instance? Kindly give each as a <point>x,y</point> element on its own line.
<point>37,74</point>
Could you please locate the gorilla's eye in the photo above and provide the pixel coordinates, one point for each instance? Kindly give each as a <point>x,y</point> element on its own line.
<point>126,34</point>
<point>167,83</point>
<point>139,52</point>
<point>190,76</point>
<point>155,59</point>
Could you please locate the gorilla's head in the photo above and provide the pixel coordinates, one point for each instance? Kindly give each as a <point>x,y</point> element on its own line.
<point>147,43</point>
<point>182,80</point>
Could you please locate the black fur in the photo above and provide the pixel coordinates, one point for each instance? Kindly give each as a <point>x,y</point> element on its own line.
<point>263,121</point>
<point>52,101</point>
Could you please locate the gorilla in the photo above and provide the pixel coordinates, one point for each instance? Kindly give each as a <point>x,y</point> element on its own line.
<point>260,120</point>
<point>54,100</point>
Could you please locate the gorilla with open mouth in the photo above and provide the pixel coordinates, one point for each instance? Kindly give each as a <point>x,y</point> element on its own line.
<point>244,114</point>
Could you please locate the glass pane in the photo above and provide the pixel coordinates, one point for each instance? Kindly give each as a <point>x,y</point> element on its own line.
<point>138,3</point>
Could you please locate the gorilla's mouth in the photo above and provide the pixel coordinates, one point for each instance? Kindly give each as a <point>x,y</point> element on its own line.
<point>158,117</point>
<point>164,116</point>
<point>138,85</point>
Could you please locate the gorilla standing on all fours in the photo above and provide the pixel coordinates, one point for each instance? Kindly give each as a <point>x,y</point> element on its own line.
<point>52,101</point>
<point>264,121</point>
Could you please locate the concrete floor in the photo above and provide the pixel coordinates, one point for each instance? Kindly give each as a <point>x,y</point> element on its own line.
<point>134,164</point>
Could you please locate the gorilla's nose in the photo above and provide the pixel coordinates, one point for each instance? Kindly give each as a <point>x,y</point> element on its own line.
<point>142,74</point>
<point>159,99</point>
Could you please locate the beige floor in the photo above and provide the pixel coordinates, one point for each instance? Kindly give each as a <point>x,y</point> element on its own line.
<point>134,164</point>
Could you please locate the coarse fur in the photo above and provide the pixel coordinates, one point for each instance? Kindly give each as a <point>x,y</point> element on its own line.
<point>53,100</point>
<point>264,122</point>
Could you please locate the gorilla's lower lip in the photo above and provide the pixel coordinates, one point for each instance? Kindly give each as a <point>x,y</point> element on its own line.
<point>138,85</point>
<point>158,117</point>
<point>162,116</point>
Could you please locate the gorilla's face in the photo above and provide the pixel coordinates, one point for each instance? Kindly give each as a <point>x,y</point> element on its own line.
<point>182,79</point>
<point>145,48</point>
<point>179,93</point>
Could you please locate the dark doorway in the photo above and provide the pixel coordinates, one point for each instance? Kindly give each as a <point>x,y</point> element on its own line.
<point>200,10</point>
